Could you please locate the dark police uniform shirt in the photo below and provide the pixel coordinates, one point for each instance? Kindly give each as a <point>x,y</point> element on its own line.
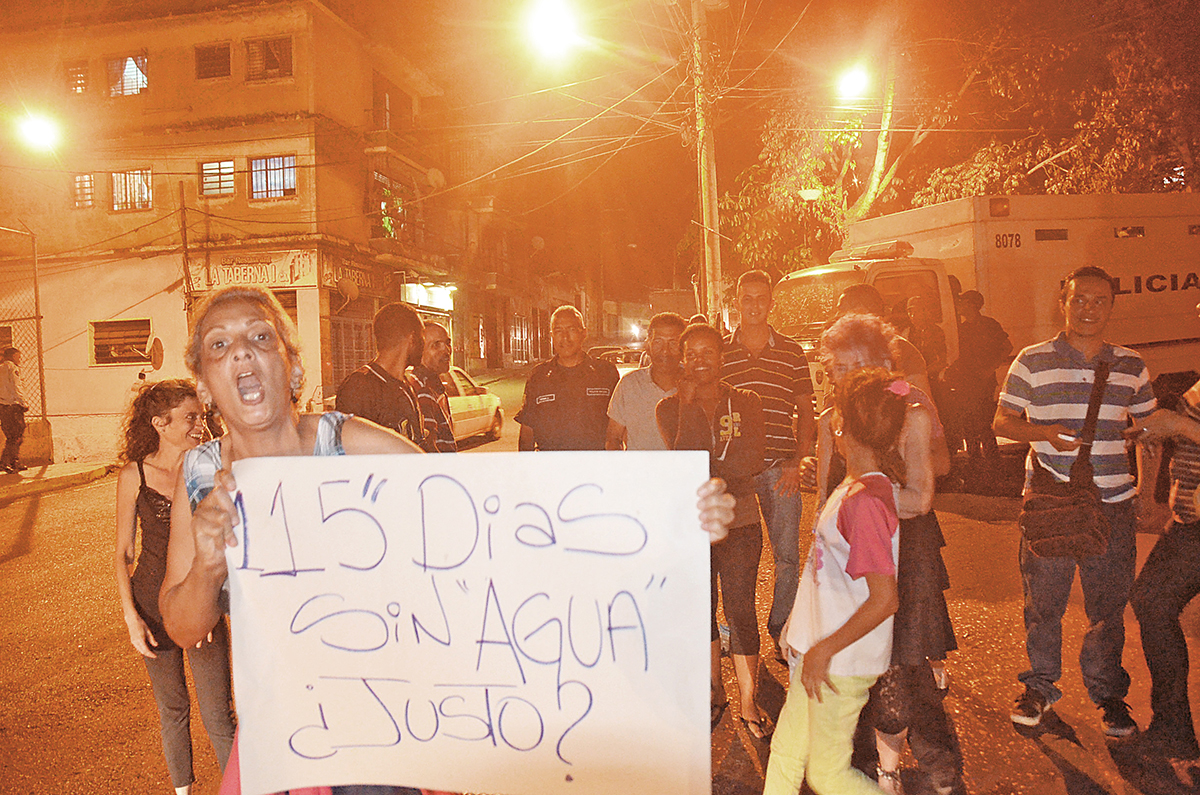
<point>372,393</point>
<point>567,407</point>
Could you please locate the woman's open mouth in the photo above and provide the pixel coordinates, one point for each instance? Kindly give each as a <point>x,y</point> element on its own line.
<point>249,388</point>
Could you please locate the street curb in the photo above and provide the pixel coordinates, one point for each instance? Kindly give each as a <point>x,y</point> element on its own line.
<point>35,486</point>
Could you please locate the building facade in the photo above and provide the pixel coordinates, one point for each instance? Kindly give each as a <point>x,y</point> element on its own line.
<point>270,144</point>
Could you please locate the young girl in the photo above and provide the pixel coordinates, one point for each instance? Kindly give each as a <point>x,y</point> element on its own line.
<point>164,422</point>
<point>839,634</point>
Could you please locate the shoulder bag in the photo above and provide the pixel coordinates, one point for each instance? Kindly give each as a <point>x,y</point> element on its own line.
<point>1065,519</point>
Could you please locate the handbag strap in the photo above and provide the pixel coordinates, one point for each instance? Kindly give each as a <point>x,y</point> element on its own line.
<point>1088,434</point>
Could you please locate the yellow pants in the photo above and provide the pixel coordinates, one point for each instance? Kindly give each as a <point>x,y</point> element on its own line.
<point>817,738</point>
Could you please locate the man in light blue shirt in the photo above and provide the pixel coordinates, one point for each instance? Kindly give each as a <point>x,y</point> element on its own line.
<point>631,420</point>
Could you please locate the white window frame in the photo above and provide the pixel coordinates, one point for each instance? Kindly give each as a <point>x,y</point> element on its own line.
<point>83,190</point>
<point>218,181</point>
<point>228,47</point>
<point>257,53</point>
<point>131,343</point>
<point>272,177</point>
<point>132,190</point>
<point>127,75</point>
<point>76,74</point>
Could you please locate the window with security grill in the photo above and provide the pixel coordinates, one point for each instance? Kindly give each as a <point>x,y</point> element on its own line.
<point>267,59</point>
<point>127,75</point>
<point>121,341</point>
<point>216,178</point>
<point>77,76</point>
<point>212,61</point>
<point>85,191</point>
<point>131,190</point>
<point>273,177</point>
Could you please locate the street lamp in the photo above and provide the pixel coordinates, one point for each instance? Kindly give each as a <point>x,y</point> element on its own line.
<point>853,83</point>
<point>552,27</point>
<point>39,132</point>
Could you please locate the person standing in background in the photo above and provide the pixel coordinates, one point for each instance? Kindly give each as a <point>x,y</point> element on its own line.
<point>774,367</point>
<point>431,393</point>
<point>631,421</point>
<point>12,410</point>
<point>379,391</point>
<point>566,399</point>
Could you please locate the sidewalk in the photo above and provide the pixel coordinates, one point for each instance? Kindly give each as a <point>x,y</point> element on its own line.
<point>51,477</point>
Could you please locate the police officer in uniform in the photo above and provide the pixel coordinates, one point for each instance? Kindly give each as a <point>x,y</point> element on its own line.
<point>566,398</point>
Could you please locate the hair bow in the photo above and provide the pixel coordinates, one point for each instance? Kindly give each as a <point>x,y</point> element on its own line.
<point>899,387</point>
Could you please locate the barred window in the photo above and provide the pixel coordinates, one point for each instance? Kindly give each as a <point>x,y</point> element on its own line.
<point>77,76</point>
<point>127,75</point>
<point>212,60</point>
<point>85,191</point>
<point>131,190</point>
<point>273,177</point>
<point>268,58</point>
<point>120,341</point>
<point>216,178</point>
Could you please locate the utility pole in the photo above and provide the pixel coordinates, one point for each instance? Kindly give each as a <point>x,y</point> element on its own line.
<point>706,161</point>
<point>188,287</point>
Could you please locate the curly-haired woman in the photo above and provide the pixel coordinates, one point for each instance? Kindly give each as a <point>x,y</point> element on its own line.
<point>164,422</point>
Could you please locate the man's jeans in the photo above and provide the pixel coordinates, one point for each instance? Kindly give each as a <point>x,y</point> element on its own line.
<point>1169,580</point>
<point>1106,581</point>
<point>782,515</point>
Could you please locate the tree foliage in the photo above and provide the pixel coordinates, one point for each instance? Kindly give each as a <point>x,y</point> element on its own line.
<point>987,97</point>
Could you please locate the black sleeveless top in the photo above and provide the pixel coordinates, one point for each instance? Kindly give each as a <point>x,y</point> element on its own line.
<point>154,518</point>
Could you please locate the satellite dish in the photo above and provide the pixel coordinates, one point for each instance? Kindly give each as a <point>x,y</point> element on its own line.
<point>437,180</point>
<point>154,352</point>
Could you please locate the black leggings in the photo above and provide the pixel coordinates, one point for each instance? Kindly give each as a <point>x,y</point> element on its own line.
<point>735,562</point>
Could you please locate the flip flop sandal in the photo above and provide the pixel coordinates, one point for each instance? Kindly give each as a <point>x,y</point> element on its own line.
<point>761,728</point>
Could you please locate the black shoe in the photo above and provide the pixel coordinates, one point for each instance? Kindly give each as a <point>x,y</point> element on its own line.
<point>19,467</point>
<point>1029,708</point>
<point>1116,720</point>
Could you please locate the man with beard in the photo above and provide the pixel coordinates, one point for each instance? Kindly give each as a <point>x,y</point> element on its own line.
<point>431,393</point>
<point>379,391</point>
<point>631,421</point>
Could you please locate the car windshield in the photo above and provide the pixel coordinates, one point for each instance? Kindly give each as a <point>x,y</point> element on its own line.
<point>804,303</point>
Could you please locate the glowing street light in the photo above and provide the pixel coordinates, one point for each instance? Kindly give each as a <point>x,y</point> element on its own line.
<point>39,132</point>
<point>854,83</point>
<point>552,28</point>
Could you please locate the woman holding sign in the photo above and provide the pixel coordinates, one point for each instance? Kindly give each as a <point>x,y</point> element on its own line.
<point>246,360</point>
<point>164,422</point>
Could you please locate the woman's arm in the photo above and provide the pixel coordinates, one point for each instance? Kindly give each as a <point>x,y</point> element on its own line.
<point>824,456</point>
<point>196,571</point>
<point>916,497</point>
<point>881,603</point>
<point>128,485</point>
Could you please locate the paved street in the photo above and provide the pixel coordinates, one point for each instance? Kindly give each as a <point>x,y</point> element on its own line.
<point>76,713</point>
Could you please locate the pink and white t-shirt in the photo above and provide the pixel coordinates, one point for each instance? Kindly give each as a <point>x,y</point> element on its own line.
<point>856,534</point>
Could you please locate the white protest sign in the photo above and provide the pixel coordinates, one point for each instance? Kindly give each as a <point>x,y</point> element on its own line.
<point>506,623</point>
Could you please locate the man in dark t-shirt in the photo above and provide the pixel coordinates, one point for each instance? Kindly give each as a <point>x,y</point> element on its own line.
<point>566,399</point>
<point>379,391</point>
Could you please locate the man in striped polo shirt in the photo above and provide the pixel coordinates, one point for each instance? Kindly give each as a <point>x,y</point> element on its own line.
<point>1044,401</point>
<point>760,359</point>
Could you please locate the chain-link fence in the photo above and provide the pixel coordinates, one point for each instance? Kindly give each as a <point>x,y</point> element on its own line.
<point>18,327</point>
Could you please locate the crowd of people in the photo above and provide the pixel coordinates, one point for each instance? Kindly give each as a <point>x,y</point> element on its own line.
<point>863,624</point>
